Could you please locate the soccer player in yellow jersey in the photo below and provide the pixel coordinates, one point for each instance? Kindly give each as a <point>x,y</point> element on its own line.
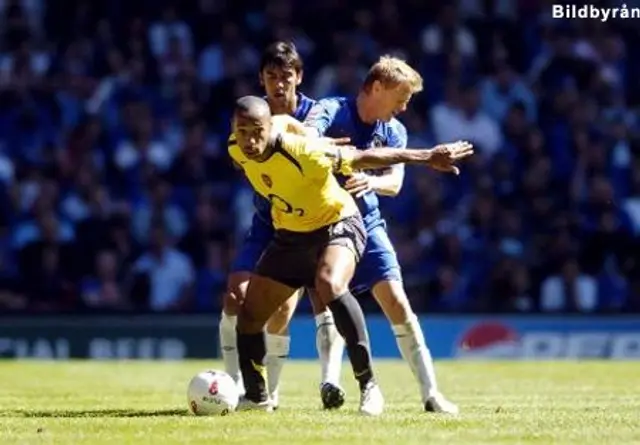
<point>319,236</point>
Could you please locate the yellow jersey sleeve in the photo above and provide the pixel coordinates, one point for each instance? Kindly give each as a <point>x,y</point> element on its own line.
<point>317,157</point>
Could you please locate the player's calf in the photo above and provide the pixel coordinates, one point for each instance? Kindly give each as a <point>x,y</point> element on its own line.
<point>330,347</point>
<point>394,302</point>
<point>263,297</point>
<point>278,343</point>
<point>335,270</point>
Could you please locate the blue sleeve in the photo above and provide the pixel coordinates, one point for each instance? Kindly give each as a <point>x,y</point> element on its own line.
<point>397,135</point>
<point>322,115</point>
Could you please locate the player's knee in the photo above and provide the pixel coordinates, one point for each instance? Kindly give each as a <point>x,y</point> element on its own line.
<point>230,304</point>
<point>394,301</point>
<point>330,283</point>
<point>235,293</point>
<point>400,310</point>
<point>317,305</point>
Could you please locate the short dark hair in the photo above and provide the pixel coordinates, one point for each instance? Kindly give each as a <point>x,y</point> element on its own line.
<point>282,55</point>
<point>252,106</point>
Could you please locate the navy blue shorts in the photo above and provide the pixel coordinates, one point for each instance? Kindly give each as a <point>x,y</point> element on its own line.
<point>292,257</point>
<point>258,238</point>
<point>379,262</point>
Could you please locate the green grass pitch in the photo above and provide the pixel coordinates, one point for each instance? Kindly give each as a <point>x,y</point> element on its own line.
<point>145,403</point>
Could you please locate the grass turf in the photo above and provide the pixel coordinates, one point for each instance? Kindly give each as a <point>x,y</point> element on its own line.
<point>144,402</point>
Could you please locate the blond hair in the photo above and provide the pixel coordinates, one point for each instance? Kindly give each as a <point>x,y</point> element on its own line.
<point>390,72</point>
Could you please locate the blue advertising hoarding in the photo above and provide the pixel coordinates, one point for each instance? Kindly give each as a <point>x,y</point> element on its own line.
<point>453,337</point>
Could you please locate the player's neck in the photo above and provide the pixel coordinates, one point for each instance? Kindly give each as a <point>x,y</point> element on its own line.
<point>289,107</point>
<point>366,113</point>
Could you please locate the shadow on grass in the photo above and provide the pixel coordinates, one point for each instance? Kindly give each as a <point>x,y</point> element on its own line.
<point>60,413</point>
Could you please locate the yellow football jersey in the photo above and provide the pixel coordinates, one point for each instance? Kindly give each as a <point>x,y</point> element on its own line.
<point>298,180</point>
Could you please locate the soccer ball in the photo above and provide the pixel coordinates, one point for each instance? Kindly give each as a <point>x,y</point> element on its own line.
<point>212,393</point>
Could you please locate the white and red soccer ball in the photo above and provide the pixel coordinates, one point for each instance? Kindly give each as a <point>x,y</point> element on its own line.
<point>212,393</point>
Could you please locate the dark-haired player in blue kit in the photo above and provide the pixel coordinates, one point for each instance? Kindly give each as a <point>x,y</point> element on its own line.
<point>280,74</point>
<point>368,119</point>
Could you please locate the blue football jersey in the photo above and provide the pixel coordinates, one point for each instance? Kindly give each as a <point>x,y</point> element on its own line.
<point>262,205</point>
<point>337,117</point>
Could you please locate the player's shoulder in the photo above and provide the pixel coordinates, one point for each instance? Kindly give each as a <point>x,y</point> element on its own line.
<point>232,142</point>
<point>395,130</point>
<point>299,147</point>
<point>332,102</point>
<point>281,121</point>
<point>233,149</point>
<point>305,105</point>
<point>306,101</point>
<point>291,143</point>
<point>395,126</point>
<point>284,123</point>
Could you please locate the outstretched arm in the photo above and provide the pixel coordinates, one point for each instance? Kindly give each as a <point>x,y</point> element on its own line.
<point>441,158</point>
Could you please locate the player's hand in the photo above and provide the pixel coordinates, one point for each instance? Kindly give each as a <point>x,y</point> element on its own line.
<point>358,184</point>
<point>444,156</point>
<point>337,141</point>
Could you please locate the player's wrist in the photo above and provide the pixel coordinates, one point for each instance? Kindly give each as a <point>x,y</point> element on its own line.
<point>426,155</point>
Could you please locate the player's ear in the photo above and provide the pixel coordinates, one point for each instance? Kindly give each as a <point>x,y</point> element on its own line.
<point>260,79</point>
<point>299,79</point>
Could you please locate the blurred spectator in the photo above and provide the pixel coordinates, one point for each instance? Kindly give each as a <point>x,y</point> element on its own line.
<point>103,289</point>
<point>448,35</point>
<point>462,118</point>
<point>570,291</point>
<point>169,272</point>
<point>170,30</point>
<point>158,207</point>
<point>47,267</point>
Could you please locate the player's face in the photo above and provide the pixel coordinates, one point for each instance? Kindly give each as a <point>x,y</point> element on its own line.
<point>252,135</point>
<point>280,83</point>
<point>392,101</point>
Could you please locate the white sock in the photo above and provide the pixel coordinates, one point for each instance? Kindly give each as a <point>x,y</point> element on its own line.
<point>330,347</point>
<point>229,348</point>
<point>415,352</point>
<point>277,353</point>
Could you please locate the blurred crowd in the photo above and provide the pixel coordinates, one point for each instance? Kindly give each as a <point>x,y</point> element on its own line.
<point>116,192</point>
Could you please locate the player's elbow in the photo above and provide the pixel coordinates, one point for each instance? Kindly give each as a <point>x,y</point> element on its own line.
<point>391,182</point>
<point>391,189</point>
<point>394,189</point>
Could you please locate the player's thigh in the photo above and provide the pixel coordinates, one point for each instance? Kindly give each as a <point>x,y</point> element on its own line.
<point>379,262</point>
<point>283,268</point>
<point>279,321</point>
<point>337,261</point>
<point>264,296</point>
